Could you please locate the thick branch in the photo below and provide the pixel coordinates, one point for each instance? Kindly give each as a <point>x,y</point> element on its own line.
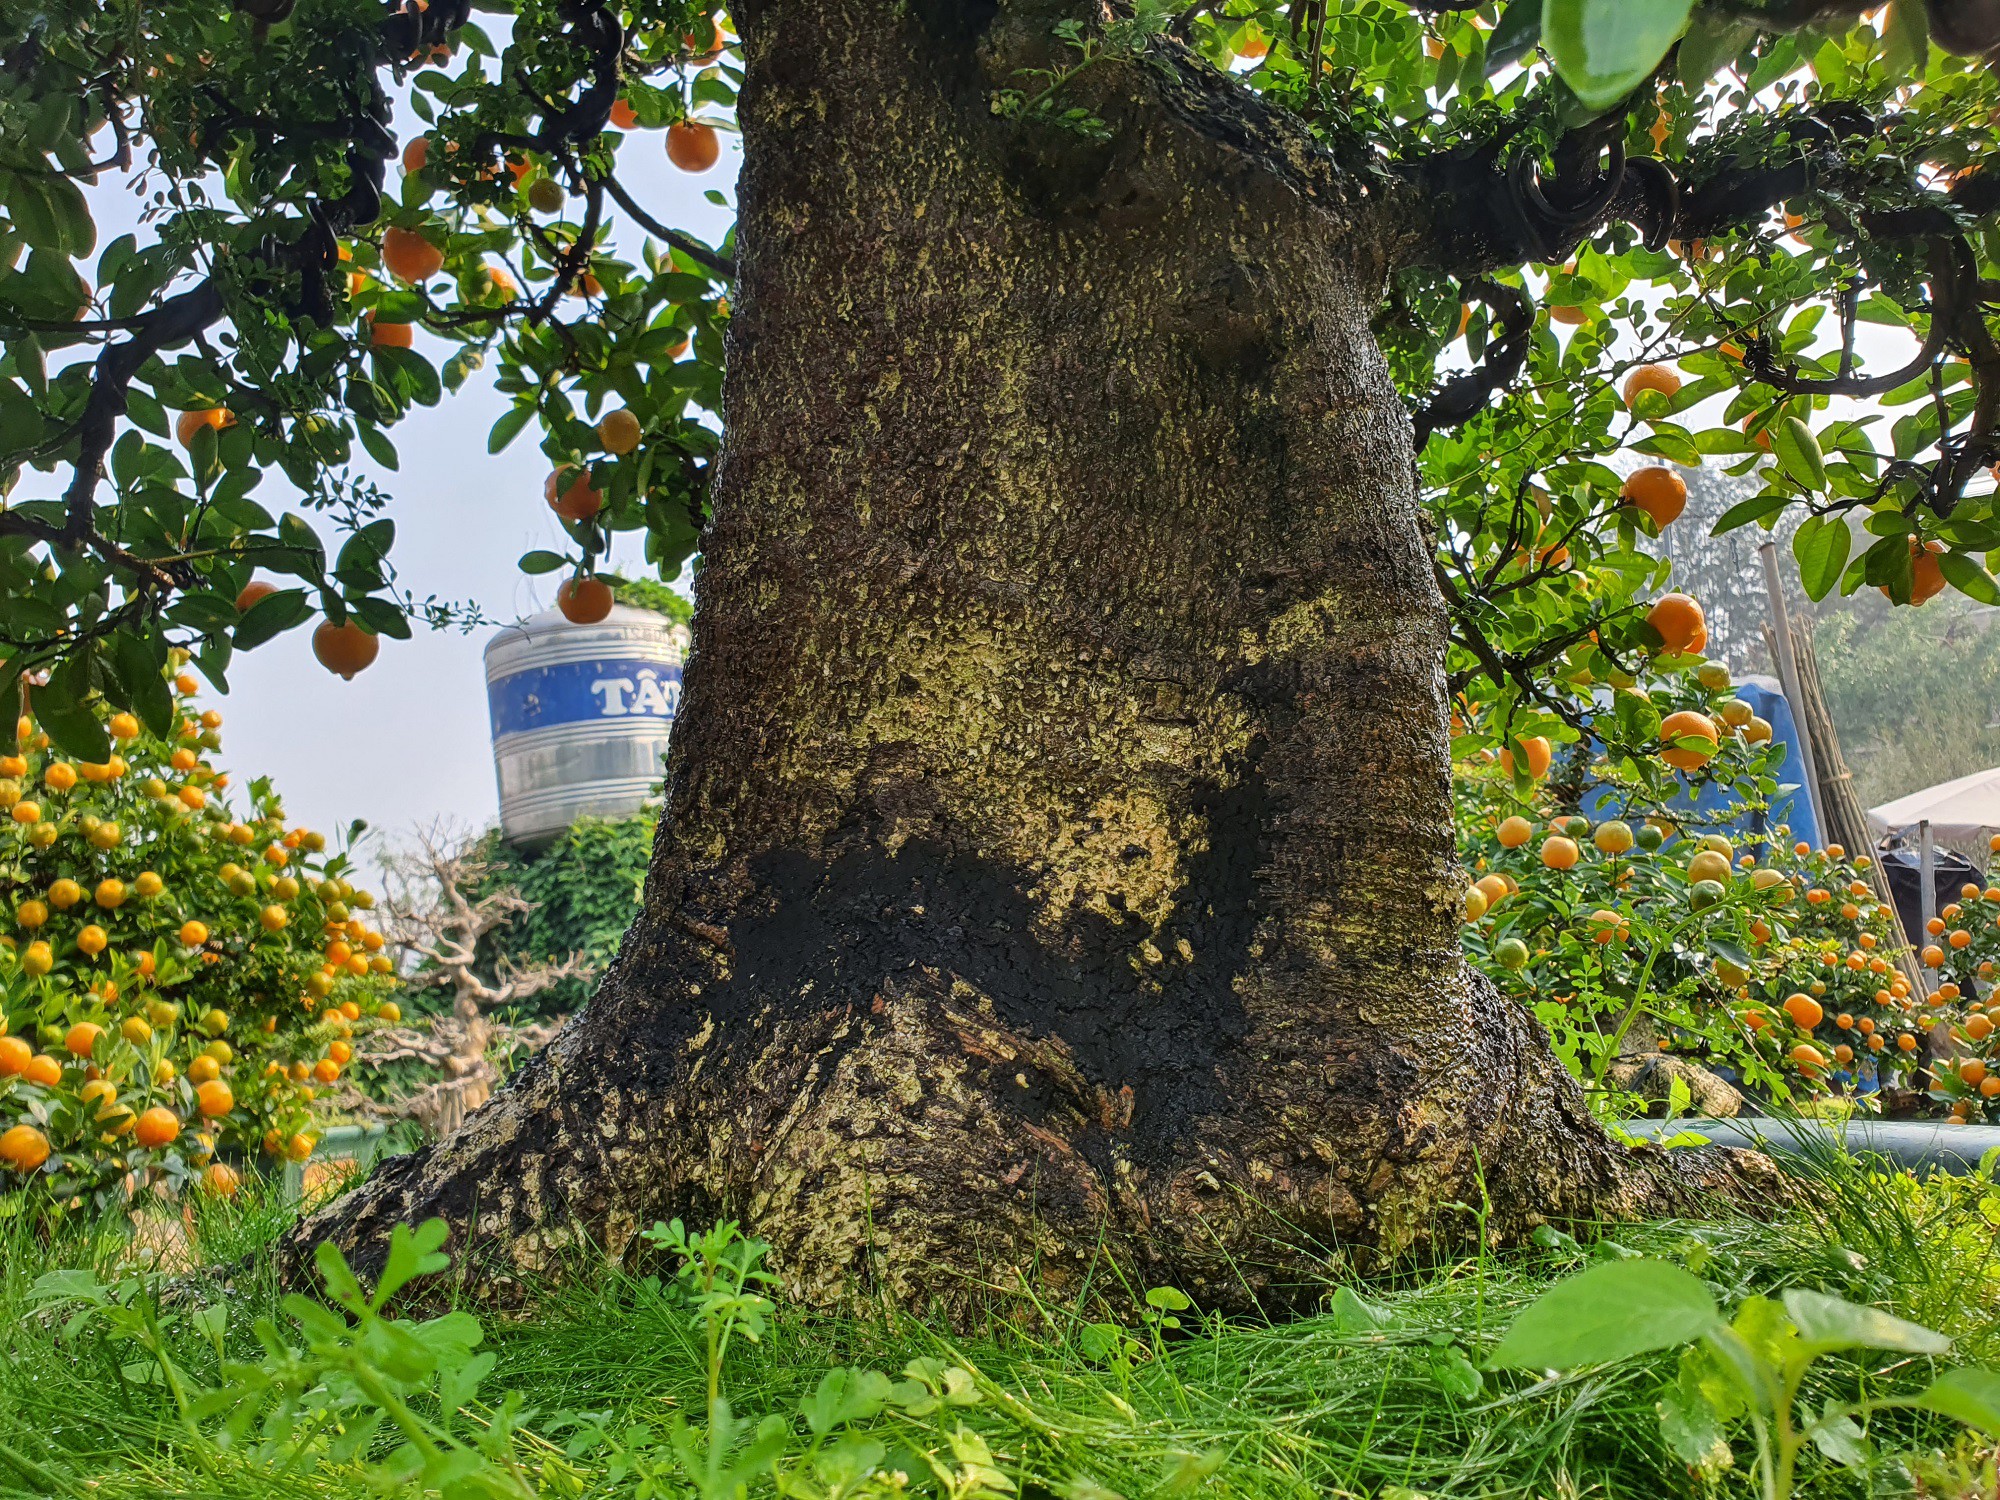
<point>1463,396</point>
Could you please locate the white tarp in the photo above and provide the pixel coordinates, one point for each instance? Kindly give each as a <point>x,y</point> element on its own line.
<point>1963,814</point>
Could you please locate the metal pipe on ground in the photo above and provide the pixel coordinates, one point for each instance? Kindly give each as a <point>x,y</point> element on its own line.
<point>1914,1145</point>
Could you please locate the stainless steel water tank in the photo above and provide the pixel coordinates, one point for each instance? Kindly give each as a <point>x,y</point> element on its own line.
<point>581,716</point>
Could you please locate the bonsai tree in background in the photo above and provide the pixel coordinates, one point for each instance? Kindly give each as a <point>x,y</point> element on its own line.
<point>177,983</point>
<point>1142,419</point>
<point>445,909</point>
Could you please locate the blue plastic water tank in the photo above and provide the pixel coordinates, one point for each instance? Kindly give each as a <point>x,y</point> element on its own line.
<point>581,716</point>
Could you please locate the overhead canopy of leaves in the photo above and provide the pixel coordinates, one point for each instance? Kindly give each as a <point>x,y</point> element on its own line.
<point>1787,201</point>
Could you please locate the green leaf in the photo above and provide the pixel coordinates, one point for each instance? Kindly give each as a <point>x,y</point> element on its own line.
<point>1608,1313</point>
<point>140,671</point>
<point>542,562</point>
<point>1454,1374</point>
<point>1839,1437</point>
<point>1693,1431</point>
<point>1833,1323</point>
<point>1758,508</point>
<point>1604,49</point>
<point>272,615</point>
<point>72,725</point>
<point>1710,43</point>
<point>1907,42</point>
<point>1968,577</point>
<point>843,1396</point>
<point>1723,948</point>
<point>1675,445</point>
<point>1797,452</point>
<point>383,618</point>
<point>1514,34</point>
<point>378,445</point>
<point>508,428</point>
<point>1971,1396</point>
<point>1820,545</point>
<point>1351,1313</point>
<point>309,555</point>
<point>412,1253</point>
<point>145,411</point>
<point>340,1282</point>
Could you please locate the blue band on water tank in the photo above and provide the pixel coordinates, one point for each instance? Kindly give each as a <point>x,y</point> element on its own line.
<point>579,692</point>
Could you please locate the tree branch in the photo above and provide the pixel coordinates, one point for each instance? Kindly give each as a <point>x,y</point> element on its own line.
<point>1463,396</point>
<point>692,248</point>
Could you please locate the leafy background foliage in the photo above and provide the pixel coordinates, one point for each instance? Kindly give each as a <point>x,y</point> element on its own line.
<point>586,887</point>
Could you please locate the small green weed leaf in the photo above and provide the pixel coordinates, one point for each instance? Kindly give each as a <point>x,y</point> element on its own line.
<point>1970,1395</point>
<point>1190,1474</point>
<point>80,1285</point>
<point>1454,1374</point>
<point>1831,1323</point>
<point>1605,48</point>
<point>1555,1241</point>
<point>1840,1438</point>
<point>977,1471</point>
<point>1707,1376</point>
<point>1679,1097</point>
<point>1693,1431</point>
<point>1104,1342</point>
<point>1610,1312</point>
<point>1351,1313</point>
<point>844,1396</point>
<point>212,1321</point>
<point>319,1323</point>
<point>843,1465</point>
<point>1168,1300</point>
<point>411,1254</point>
<point>339,1281</point>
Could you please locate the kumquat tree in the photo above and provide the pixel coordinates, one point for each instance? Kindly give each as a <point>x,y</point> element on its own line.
<point>1133,448</point>
<point>176,982</point>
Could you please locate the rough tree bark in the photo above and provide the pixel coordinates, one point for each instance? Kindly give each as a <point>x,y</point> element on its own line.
<point>1058,864</point>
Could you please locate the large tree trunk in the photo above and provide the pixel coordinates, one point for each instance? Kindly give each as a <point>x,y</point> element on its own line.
<point>1058,862</point>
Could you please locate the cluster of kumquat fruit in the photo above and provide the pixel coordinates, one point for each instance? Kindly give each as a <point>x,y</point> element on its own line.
<point>1602,927</point>
<point>1669,717</point>
<point>1826,987</point>
<point>1963,952</point>
<point>1774,964</point>
<point>177,983</point>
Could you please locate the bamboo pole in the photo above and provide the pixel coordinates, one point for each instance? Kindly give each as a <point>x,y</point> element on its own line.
<point>1843,820</point>
<point>1780,635</point>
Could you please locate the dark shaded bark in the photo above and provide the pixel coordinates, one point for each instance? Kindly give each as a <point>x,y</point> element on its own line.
<point>1057,868</point>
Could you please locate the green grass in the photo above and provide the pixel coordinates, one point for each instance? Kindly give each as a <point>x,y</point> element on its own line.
<point>1316,1407</point>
